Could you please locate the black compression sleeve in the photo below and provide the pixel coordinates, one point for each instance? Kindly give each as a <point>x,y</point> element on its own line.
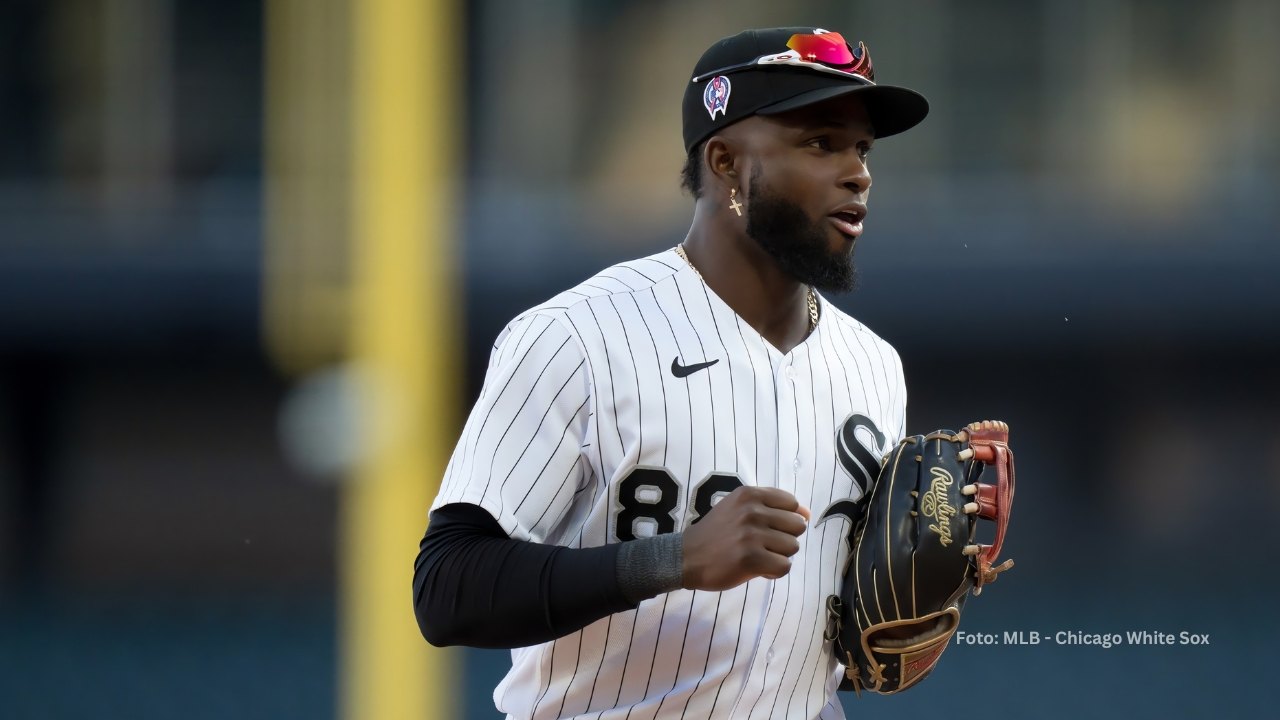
<point>473,585</point>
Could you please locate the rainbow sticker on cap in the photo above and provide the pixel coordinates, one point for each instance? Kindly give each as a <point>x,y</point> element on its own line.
<point>715,97</point>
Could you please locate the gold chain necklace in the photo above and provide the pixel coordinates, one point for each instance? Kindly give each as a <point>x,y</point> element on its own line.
<point>812,296</point>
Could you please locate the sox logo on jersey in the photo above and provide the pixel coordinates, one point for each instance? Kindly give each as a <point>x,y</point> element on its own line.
<point>628,406</point>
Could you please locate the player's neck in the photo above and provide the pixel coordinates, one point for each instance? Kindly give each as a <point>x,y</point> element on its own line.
<point>749,281</point>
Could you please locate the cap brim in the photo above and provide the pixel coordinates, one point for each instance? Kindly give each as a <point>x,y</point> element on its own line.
<point>891,109</point>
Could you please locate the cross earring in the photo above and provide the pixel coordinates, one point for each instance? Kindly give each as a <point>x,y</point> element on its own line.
<point>733,201</point>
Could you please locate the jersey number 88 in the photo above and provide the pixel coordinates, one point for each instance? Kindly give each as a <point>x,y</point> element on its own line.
<point>650,496</point>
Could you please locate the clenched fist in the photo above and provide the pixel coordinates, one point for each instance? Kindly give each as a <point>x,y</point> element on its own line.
<point>750,533</point>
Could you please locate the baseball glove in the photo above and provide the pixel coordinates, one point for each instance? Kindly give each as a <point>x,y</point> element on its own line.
<point>915,558</point>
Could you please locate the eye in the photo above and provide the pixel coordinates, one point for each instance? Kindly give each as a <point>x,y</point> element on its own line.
<point>821,142</point>
<point>864,150</point>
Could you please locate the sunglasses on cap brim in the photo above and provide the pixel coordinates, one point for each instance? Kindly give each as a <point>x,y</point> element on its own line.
<point>825,51</point>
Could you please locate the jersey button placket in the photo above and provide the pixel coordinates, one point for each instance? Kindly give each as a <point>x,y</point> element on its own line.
<point>788,443</point>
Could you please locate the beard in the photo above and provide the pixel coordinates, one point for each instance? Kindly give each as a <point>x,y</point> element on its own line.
<point>797,242</point>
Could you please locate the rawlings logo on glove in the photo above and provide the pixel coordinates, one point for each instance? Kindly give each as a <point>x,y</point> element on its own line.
<point>934,504</point>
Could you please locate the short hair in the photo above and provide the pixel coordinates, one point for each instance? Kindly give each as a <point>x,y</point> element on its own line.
<point>691,175</point>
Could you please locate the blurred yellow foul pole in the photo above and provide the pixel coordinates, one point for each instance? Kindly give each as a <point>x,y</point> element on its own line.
<point>361,127</point>
<point>406,61</point>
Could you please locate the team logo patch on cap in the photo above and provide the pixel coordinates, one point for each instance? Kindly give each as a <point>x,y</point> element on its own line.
<point>715,97</point>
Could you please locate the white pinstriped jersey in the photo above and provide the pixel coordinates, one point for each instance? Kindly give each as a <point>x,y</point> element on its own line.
<point>584,435</point>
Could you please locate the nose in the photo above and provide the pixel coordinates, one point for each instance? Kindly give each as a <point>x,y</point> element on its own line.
<point>857,176</point>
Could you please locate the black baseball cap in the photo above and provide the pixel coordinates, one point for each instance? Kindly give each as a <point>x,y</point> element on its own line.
<point>773,70</point>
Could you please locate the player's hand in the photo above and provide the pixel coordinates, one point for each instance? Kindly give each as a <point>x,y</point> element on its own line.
<point>750,533</point>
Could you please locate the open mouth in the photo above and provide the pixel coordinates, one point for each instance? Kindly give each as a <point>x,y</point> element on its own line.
<point>848,222</point>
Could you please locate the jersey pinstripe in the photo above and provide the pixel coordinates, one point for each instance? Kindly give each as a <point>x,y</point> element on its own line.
<point>584,435</point>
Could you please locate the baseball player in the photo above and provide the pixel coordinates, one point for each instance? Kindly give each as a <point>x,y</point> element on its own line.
<point>651,499</point>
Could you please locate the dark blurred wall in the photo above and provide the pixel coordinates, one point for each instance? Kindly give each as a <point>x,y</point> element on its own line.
<point>158,555</point>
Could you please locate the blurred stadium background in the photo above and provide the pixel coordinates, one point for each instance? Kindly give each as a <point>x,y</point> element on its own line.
<point>253,254</point>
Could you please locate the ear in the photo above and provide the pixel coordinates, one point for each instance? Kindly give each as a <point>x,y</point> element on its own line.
<point>722,158</point>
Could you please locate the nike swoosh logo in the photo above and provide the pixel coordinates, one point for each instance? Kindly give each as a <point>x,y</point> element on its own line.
<point>686,370</point>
